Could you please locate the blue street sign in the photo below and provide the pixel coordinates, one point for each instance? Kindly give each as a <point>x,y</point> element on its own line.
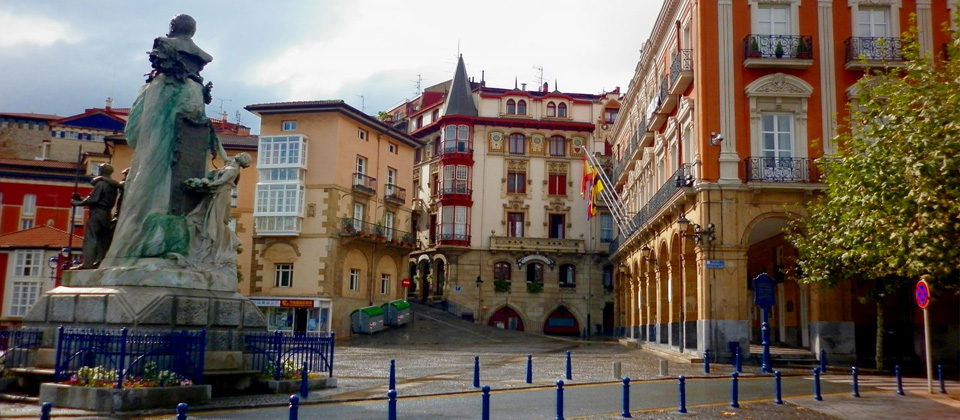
<point>716,264</point>
<point>456,288</point>
<point>763,288</point>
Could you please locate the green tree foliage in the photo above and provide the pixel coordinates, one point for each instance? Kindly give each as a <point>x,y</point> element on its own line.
<point>891,209</point>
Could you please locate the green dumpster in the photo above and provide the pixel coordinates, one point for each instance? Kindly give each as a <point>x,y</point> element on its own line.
<point>397,312</point>
<point>367,320</point>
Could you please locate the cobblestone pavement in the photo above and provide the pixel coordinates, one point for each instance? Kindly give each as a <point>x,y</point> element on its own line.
<point>435,355</point>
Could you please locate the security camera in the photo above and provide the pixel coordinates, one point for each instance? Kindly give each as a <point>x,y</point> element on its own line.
<point>715,138</point>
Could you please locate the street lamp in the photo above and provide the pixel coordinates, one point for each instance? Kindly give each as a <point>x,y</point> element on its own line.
<point>645,253</point>
<point>700,234</point>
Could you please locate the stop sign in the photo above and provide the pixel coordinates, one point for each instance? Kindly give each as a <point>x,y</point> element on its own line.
<point>405,282</point>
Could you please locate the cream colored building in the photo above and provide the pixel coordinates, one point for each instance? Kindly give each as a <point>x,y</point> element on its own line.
<point>503,232</point>
<point>331,218</point>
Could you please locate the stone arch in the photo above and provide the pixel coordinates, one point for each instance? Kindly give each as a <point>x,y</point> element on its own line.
<point>271,244</point>
<point>387,264</point>
<point>502,316</point>
<point>355,260</point>
<point>562,320</point>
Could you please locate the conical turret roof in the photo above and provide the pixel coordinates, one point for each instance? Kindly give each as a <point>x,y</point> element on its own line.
<point>460,99</point>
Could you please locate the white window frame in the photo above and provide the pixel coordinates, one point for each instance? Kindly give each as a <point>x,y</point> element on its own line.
<point>384,284</point>
<point>606,225</point>
<point>793,7</point>
<point>894,15</point>
<point>28,263</point>
<point>354,280</point>
<point>361,166</point>
<point>358,210</point>
<point>389,218</point>
<point>779,93</point>
<point>29,207</point>
<point>774,19</point>
<point>288,125</point>
<point>876,18</point>
<point>392,148</point>
<point>283,275</point>
<point>363,134</point>
<point>24,295</point>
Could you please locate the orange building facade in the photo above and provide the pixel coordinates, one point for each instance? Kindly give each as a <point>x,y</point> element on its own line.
<point>730,105</point>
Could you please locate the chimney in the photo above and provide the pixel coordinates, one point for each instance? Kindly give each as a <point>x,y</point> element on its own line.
<point>546,87</point>
<point>109,104</point>
<point>223,116</point>
<point>523,86</point>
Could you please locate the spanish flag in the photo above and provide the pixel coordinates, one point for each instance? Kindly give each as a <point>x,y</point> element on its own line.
<point>587,182</point>
<point>594,199</point>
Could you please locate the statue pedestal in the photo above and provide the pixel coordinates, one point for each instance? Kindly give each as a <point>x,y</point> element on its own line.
<point>157,272</point>
<point>226,315</point>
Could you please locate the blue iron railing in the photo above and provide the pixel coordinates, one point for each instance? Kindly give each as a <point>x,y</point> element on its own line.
<point>777,46</point>
<point>871,48</point>
<point>15,347</point>
<point>180,352</point>
<point>282,354</point>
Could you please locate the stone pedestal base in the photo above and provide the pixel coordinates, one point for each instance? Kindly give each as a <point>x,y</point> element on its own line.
<point>158,272</point>
<point>225,315</point>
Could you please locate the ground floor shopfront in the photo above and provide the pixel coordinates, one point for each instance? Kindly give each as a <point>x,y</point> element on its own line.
<point>539,291</point>
<point>295,314</point>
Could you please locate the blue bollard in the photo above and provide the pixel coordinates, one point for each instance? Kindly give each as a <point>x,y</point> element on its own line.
<point>683,394</point>
<point>476,371</point>
<point>393,375</point>
<point>392,404</point>
<point>765,360</point>
<point>181,411</point>
<point>706,361</point>
<point>529,368</point>
<point>559,401</point>
<point>734,390</point>
<point>823,360</point>
<point>777,388</point>
<point>816,385</point>
<point>856,386</point>
<point>943,389</point>
<point>569,367</point>
<point>485,403</point>
<point>625,413</point>
<point>896,371</point>
<point>739,361</point>
<point>45,410</point>
<point>294,407</point>
<point>304,381</point>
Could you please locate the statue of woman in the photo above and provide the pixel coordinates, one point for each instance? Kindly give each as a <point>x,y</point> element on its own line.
<point>212,241</point>
<point>172,139</point>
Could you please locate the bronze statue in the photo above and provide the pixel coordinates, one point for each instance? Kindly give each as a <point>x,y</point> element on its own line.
<point>99,230</point>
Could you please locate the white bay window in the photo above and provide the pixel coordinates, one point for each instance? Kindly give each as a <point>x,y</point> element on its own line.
<point>281,165</point>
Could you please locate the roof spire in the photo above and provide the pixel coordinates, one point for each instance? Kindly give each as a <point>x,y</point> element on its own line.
<point>460,97</point>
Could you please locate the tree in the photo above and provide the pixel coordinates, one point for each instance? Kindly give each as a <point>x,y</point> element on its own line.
<point>891,208</point>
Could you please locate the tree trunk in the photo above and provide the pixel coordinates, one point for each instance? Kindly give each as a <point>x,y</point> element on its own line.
<point>879,357</point>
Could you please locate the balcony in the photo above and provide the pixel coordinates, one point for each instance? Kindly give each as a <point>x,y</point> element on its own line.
<point>681,72</point>
<point>863,53</point>
<point>509,243</point>
<point>777,51</point>
<point>681,178</point>
<point>364,184</point>
<point>395,195</point>
<point>376,233</point>
<point>453,150</point>
<point>783,170</point>
<point>454,193</point>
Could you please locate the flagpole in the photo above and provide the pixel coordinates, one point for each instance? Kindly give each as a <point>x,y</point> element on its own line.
<point>73,212</point>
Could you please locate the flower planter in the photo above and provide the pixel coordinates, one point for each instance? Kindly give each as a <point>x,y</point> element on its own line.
<point>111,400</point>
<point>291,386</point>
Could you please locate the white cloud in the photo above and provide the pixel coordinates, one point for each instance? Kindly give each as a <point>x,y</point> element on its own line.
<point>33,30</point>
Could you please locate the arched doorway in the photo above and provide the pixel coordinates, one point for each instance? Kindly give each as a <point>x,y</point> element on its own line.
<point>423,285</point>
<point>562,322</point>
<point>412,274</point>
<point>506,318</point>
<point>439,274</point>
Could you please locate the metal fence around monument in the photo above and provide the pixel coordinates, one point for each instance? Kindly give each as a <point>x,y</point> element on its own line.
<point>282,354</point>
<point>130,353</point>
<point>16,346</point>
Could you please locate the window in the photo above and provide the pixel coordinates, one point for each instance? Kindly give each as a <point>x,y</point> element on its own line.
<point>606,227</point>
<point>361,165</point>
<point>282,151</point>
<point>521,107</point>
<point>392,148</point>
<point>610,115</point>
<point>358,216</point>
<point>515,225</point>
<point>558,146</point>
<point>288,126</point>
<point>558,184</point>
<point>362,134</point>
<point>568,275</point>
<point>873,22</point>
<point>562,110</point>
<point>511,106</point>
<point>388,220</point>
<point>25,294</point>
<point>608,277</point>
<point>534,273</point>
<point>27,263</point>
<point>456,138</point>
<point>557,224</point>
<point>420,121</point>
<point>502,271</point>
<point>456,179</point>
<point>518,144</point>
<point>776,132</point>
<point>29,205</point>
<point>354,281</point>
<point>26,224</point>
<point>391,176</point>
<point>551,109</point>
<point>283,275</point>
<point>773,19</point>
<point>454,223</point>
<point>279,199</point>
<point>516,182</point>
<point>384,284</point>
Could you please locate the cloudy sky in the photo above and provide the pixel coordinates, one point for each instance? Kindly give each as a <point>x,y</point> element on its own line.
<point>59,57</point>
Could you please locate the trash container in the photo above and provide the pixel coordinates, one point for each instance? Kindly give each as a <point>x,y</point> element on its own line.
<point>397,312</point>
<point>367,320</point>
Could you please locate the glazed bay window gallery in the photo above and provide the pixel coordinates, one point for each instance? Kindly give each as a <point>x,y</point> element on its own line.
<point>281,164</point>
<point>455,223</point>
<point>456,139</point>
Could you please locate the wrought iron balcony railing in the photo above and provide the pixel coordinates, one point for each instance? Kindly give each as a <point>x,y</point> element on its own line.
<point>767,169</point>
<point>458,149</point>
<point>364,184</point>
<point>395,194</point>
<point>778,46</point>
<point>873,49</point>
<point>681,178</point>
<point>377,232</point>
<point>450,192</point>
<point>681,71</point>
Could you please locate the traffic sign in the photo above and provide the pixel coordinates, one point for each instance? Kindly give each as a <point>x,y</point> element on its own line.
<point>922,294</point>
<point>763,287</point>
<point>405,282</point>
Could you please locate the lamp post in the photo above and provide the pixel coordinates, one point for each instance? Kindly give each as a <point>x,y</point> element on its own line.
<point>479,299</point>
<point>59,263</point>
<point>700,234</point>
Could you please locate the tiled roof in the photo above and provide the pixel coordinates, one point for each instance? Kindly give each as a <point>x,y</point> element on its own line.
<point>30,116</point>
<point>39,237</point>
